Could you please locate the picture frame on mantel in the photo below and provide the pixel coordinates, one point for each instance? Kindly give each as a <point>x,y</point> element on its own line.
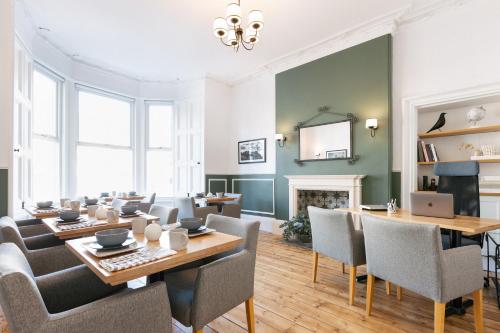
<point>252,151</point>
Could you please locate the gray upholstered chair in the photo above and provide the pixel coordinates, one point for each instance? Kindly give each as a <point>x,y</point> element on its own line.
<point>145,204</point>
<point>75,300</point>
<point>167,215</point>
<point>31,227</point>
<point>187,208</point>
<point>231,210</point>
<point>333,235</point>
<point>118,203</point>
<point>201,294</point>
<point>238,199</point>
<point>412,256</point>
<point>42,260</point>
<point>33,236</point>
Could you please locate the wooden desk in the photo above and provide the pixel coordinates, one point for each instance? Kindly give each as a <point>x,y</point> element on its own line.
<point>468,224</point>
<point>66,234</point>
<point>197,248</point>
<point>43,213</point>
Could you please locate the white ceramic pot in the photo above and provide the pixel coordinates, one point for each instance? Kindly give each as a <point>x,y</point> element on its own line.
<point>153,232</point>
<point>75,205</point>
<point>101,213</point>
<point>178,239</point>
<point>62,202</point>
<point>91,210</point>
<point>112,216</point>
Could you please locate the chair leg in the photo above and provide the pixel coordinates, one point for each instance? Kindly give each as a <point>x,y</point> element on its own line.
<point>197,330</point>
<point>369,294</point>
<point>250,315</point>
<point>439,313</point>
<point>315,266</point>
<point>343,268</point>
<point>399,292</point>
<point>352,284</point>
<point>478,310</point>
<point>388,287</point>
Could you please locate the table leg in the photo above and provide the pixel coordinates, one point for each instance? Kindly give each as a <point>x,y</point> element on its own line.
<point>456,306</point>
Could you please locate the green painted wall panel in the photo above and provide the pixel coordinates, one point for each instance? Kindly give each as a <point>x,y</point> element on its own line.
<point>396,187</point>
<point>4,190</point>
<point>355,80</point>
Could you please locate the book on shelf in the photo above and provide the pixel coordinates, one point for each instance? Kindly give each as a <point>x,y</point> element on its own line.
<point>426,152</point>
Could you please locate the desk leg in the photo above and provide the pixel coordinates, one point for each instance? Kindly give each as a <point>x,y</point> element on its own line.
<point>456,306</point>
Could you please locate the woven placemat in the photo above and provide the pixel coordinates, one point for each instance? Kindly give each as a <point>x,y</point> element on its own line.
<point>140,257</point>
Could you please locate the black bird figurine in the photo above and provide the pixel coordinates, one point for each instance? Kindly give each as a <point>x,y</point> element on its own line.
<point>439,123</point>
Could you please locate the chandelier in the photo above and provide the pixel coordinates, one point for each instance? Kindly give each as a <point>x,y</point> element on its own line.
<point>230,29</point>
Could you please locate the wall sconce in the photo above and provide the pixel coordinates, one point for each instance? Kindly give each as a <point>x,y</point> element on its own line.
<point>280,139</point>
<point>372,125</point>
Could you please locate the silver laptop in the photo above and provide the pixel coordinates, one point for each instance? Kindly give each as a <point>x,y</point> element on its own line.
<point>432,204</point>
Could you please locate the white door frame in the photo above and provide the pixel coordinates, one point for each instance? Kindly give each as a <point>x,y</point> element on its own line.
<point>411,107</point>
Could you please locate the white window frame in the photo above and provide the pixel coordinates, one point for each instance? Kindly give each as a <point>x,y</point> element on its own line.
<point>59,111</point>
<point>147,148</point>
<point>132,147</point>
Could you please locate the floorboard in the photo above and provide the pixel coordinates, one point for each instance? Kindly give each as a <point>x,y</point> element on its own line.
<point>287,301</point>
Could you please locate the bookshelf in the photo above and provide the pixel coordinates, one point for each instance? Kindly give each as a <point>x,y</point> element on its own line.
<point>462,131</point>
<point>480,161</point>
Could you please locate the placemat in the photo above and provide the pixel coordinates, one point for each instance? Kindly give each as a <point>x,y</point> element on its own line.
<point>87,224</point>
<point>140,257</point>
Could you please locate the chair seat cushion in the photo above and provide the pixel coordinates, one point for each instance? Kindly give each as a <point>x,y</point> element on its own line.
<point>180,287</point>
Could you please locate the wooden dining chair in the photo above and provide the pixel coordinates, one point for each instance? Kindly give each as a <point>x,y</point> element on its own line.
<point>333,235</point>
<point>412,256</point>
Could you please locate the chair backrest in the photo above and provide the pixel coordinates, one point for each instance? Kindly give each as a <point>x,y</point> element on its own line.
<point>246,229</point>
<point>20,298</point>
<point>460,179</point>
<point>118,203</point>
<point>408,255</point>
<point>167,215</point>
<point>149,199</point>
<point>332,233</point>
<point>186,207</point>
<point>238,200</point>
<point>231,210</point>
<point>9,233</point>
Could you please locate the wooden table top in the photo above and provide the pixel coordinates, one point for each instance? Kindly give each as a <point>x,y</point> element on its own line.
<point>217,200</point>
<point>128,198</point>
<point>197,248</point>
<point>74,233</point>
<point>43,213</point>
<point>468,224</point>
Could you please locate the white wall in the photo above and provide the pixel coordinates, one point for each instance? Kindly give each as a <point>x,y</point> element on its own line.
<point>454,49</point>
<point>6,80</point>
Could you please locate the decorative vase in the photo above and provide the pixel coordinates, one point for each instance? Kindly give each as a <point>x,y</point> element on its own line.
<point>101,213</point>
<point>153,232</point>
<point>475,115</point>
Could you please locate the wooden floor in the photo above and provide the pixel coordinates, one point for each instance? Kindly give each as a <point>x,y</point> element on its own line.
<point>286,300</point>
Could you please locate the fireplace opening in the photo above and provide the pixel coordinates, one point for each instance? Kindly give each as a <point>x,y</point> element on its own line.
<point>322,199</point>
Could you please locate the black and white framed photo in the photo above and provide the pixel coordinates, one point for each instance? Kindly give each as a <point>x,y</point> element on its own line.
<point>333,154</point>
<point>252,151</point>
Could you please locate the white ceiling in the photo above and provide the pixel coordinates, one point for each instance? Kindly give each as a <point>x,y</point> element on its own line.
<point>172,39</point>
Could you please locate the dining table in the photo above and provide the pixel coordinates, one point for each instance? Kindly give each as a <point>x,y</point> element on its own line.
<point>40,213</point>
<point>92,226</point>
<point>197,248</point>
<point>126,198</point>
<point>458,226</point>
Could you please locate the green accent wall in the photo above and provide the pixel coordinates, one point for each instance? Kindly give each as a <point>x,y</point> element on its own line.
<point>4,190</point>
<point>258,191</point>
<point>356,80</point>
<point>396,187</point>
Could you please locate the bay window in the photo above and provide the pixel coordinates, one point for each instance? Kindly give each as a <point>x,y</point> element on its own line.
<point>47,97</point>
<point>159,144</point>
<point>105,141</point>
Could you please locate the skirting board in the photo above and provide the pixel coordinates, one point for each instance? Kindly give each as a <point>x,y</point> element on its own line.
<point>268,224</point>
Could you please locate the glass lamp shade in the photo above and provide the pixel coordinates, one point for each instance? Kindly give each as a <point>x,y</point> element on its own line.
<point>231,38</point>
<point>220,27</point>
<point>251,36</point>
<point>256,19</point>
<point>371,123</point>
<point>278,137</point>
<point>233,14</point>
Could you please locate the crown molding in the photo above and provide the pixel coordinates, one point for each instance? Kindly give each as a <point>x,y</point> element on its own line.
<point>373,28</point>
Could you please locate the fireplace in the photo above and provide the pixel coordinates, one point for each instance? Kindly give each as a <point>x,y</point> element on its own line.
<point>326,190</point>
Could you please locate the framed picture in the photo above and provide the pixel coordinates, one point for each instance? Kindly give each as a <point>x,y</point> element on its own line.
<point>252,151</point>
<point>340,153</point>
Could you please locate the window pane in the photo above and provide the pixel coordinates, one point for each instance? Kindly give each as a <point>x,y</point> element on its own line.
<point>44,104</point>
<point>160,125</point>
<point>103,119</point>
<point>159,173</point>
<point>45,169</point>
<point>103,170</point>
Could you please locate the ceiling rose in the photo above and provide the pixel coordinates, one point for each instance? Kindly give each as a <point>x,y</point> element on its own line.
<point>230,29</point>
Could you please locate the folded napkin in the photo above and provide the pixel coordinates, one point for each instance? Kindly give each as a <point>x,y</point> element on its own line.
<point>140,257</point>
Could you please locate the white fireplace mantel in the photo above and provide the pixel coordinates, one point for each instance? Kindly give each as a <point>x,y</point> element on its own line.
<point>348,183</point>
